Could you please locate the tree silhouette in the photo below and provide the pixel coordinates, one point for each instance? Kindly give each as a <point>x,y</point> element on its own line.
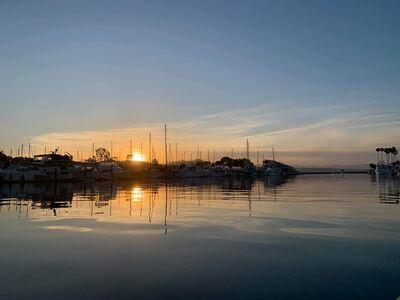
<point>102,154</point>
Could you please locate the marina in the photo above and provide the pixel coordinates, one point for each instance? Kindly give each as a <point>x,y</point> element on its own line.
<point>62,167</point>
<point>199,150</point>
<point>102,166</point>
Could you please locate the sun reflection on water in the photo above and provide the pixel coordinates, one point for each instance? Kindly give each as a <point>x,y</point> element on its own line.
<point>136,194</point>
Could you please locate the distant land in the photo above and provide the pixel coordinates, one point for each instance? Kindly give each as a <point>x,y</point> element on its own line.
<point>329,168</point>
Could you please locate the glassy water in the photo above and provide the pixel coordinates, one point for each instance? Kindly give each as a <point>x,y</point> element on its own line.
<point>309,237</point>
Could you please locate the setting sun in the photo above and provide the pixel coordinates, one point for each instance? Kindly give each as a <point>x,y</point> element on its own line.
<point>137,157</point>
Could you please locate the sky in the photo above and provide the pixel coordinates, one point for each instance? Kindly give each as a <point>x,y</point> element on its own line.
<point>317,80</point>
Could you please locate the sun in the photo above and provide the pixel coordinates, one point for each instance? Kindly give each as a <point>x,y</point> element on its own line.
<point>137,157</point>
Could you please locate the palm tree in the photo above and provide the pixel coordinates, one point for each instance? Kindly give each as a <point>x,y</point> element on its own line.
<point>377,153</point>
<point>395,152</point>
<point>387,152</point>
<point>381,150</point>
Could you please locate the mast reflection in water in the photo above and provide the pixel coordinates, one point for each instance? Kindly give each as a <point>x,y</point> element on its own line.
<point>202,238</point>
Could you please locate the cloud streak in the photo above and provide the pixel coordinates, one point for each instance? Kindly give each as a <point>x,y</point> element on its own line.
<point>316,131</point>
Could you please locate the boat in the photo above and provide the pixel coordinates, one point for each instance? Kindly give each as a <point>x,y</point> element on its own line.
<point>274,171</point>
<point>56,167</point>
<point>272,167</point>
<point>108,170</point>
<point>382,168</point>
<point>16,173</point>
<point>44,167</point>
<point>191,172</point>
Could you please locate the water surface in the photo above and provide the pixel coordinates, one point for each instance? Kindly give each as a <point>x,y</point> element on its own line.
<point>308,237</point>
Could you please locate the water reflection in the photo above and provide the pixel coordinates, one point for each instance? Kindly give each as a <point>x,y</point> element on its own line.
<point>129,236</point>
<point>155,198</point>
<point>97,199</point>
<point>389,189</point>
<point>136,194</point>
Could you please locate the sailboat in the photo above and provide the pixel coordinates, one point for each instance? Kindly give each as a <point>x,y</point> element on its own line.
<point>272,167</point>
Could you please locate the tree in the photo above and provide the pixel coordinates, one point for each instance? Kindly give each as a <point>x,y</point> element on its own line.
<point>387,151</point>
<point>231,162</point>
<point>394,152</point>
<point>4,159</point>
<point>102,154</point>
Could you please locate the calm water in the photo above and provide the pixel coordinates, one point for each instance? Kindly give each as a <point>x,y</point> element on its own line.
<point>311,237</point>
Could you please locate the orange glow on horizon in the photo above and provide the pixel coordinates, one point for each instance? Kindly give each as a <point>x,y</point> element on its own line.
<point>137,157</point>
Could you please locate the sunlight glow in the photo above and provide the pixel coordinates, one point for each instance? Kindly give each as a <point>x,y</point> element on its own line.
<point>137,157</point>
<point>136,194</point>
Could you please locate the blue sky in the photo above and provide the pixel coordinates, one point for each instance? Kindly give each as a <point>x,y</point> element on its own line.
<point>303,76</point>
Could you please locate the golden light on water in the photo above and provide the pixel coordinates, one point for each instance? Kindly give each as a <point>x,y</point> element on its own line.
<point>136,194</point>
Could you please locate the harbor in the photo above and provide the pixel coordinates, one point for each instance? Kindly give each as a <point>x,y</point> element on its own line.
<point>101,166</point>
<point>199,150</point>
<point>57,166</point>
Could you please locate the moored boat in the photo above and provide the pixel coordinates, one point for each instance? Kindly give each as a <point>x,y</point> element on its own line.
<point>44,167</point>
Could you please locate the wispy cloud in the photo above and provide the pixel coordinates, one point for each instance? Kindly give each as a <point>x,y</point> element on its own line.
<point>298,129</point>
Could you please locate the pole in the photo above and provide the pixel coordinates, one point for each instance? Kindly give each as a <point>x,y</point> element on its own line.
<point>150,148</point>
<point>165,145</point>
<point>130,151</point>
<point>176,152</point>
<point>273,154</point>
<point>247,149</point>
<point>257,158</point>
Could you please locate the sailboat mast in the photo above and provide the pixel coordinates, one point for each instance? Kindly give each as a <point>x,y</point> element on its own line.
<point>165,144</point>
<point>257,158</point>
<point>176,152</point>
<point>247,149</point>
<point>150,148</point>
